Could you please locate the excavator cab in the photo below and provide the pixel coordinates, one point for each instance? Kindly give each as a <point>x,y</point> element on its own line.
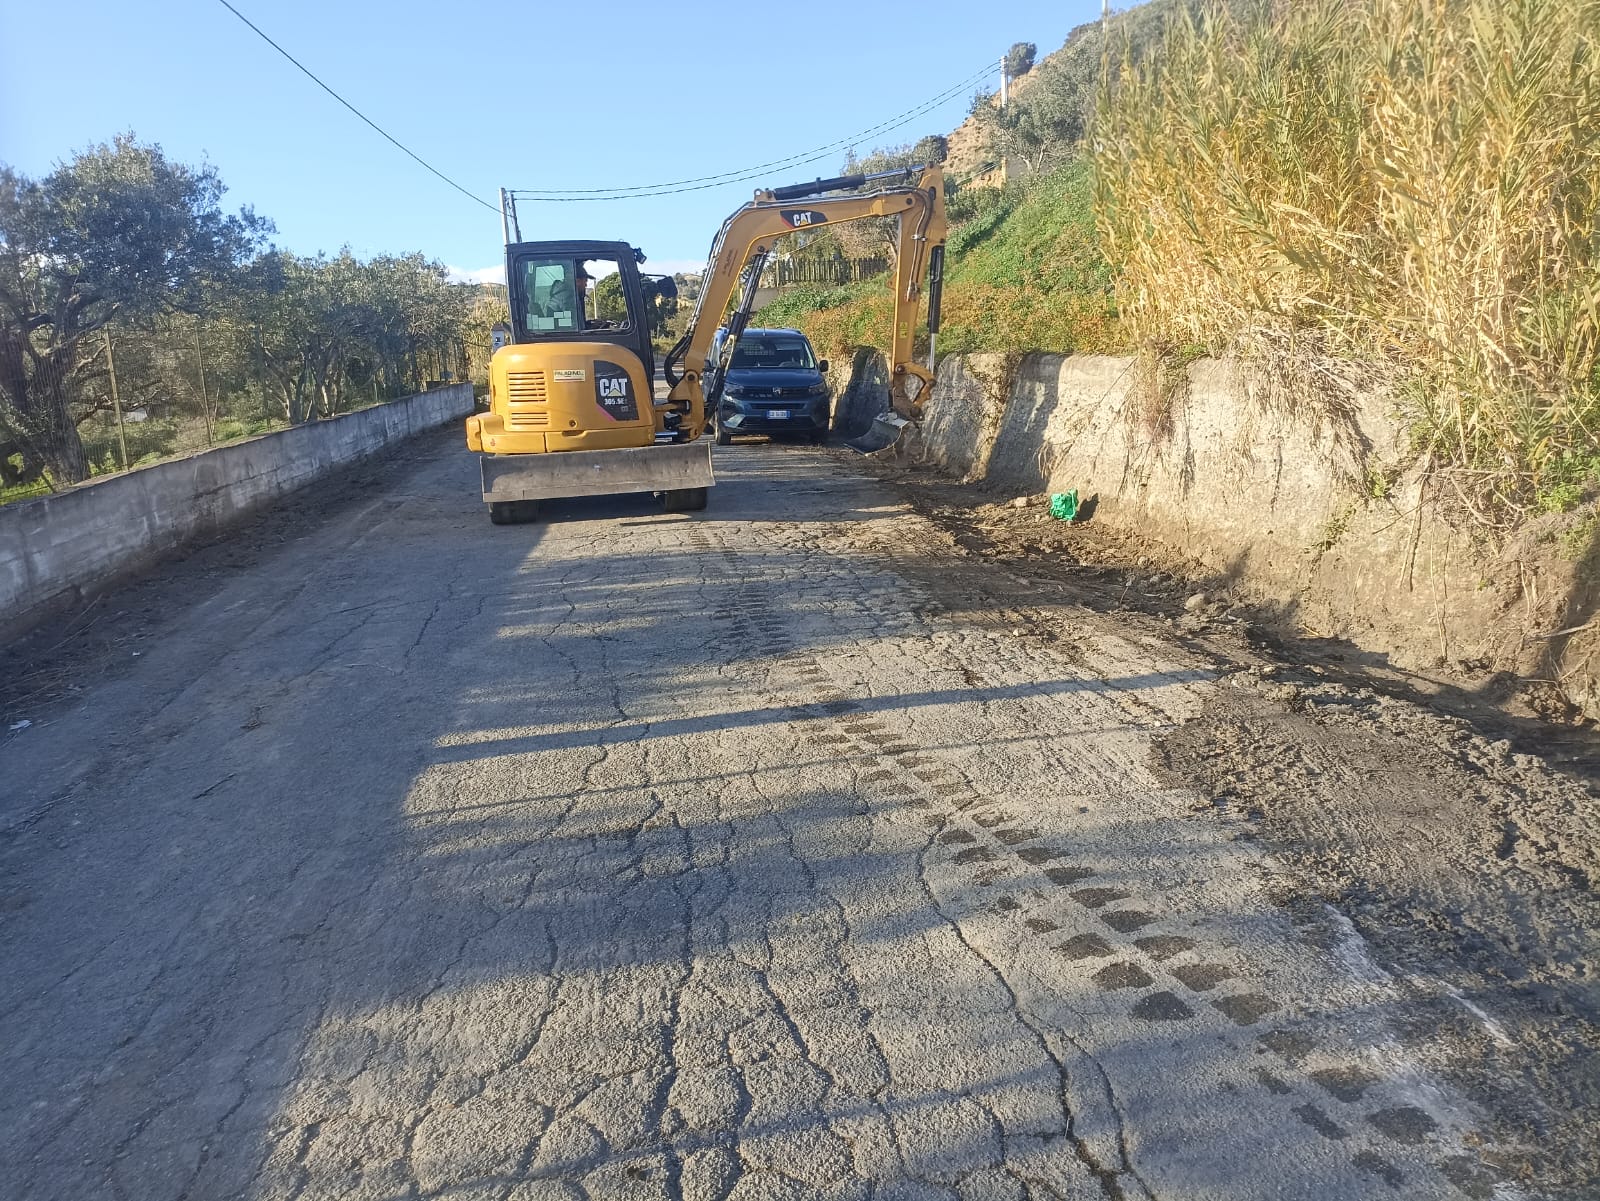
<point>579,291</point>
<point>578,376</point>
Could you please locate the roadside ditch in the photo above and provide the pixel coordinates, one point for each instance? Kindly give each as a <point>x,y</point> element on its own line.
<point>1453,817</point>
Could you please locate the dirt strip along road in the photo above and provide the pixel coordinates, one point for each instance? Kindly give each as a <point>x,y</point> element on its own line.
<point>788,850</point>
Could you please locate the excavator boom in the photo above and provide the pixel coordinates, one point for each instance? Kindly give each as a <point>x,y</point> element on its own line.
<point>746,239</point>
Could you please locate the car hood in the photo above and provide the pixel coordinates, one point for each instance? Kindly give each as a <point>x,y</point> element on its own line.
<point>773,377</point>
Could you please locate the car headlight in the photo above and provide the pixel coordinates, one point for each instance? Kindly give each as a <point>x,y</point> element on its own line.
<point>733,391</point>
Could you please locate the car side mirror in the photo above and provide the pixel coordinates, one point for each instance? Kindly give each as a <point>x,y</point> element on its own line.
<point>822,364</point>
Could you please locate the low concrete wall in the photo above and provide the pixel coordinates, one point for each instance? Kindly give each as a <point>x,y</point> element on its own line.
<point>53,548</point>
<point>1276,496</point>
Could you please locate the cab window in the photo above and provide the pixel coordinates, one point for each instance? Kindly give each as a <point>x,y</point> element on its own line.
<point>567,295</point>
<point>551,298</point>
<point>606,304</point>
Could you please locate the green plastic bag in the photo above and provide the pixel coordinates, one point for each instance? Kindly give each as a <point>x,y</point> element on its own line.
<point>1064,505</point>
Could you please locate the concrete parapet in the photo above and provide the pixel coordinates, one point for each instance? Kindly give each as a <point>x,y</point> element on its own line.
<point>54,548</point>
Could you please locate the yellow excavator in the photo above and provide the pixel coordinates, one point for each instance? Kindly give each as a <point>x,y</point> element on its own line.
<point>572,406</point>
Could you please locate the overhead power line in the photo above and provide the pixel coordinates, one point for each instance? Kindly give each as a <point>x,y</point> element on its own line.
<point>744,173</point>
<point>641,191</point>
<point>385,134</point>
<point>625,192</point>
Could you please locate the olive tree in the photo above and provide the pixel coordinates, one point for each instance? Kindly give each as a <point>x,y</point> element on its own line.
<point>118,230</point>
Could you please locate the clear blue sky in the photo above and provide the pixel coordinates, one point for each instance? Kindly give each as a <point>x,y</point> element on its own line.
<point>535,95</point>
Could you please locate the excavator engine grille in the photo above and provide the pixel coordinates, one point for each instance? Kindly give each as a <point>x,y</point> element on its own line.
<point>526,401</point>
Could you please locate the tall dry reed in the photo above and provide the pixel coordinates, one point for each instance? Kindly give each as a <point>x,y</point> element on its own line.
<point>1413,184</point>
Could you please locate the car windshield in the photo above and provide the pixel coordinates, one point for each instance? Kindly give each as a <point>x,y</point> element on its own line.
<point>791,353</point>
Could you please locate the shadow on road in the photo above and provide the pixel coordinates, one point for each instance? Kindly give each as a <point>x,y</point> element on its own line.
<point>439,857</point>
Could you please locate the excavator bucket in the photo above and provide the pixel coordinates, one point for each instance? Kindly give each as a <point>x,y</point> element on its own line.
<point>669,467</point>
<point>889,429</point>
<point>885,431</point>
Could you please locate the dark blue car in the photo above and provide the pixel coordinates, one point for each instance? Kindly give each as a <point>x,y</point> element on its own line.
<point>774,386</point>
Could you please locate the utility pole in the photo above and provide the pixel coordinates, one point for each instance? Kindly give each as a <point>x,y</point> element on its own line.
<point>1002,83</point>
<point>505,226</point>
<point>205,400</point>
<point>1105,16</point>
<point>116,400</point>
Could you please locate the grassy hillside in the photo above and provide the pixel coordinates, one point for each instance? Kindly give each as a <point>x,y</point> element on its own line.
<point>1356,193</point>
<point>1024,270</point>
<point>1411,187</point>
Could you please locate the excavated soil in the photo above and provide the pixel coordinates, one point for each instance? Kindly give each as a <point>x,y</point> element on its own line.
<point>1453,818</point>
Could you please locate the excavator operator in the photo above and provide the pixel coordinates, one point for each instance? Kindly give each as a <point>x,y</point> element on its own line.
<point>571,299</point>
<point>581,281</point>
<point>568,297</point>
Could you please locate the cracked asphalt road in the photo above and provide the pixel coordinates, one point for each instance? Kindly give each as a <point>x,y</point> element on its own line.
<point>769,852</point>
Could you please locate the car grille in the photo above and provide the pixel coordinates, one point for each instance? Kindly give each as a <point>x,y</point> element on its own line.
<point>526,402</point>
<point>785,393</point>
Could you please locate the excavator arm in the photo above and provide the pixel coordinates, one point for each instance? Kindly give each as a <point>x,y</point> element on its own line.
<point>746,239</point>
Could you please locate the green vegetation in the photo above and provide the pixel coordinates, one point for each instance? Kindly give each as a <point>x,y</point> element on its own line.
<point>23,491</point>
<point>1411,187</point>
<point>1019,59</point>
<point>1353,193</point>
<point>1024,270</point>
<point>611,305</point>
<point>1332,531</point>
<point>1377,481</point>
<point>123,283</point>
<point>1044,125</point>
<point>1582,541</point>
<point>1565,481</point>
<point>1029,272</point>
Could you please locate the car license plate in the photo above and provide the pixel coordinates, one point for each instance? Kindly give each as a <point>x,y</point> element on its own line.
<point>778,414</point>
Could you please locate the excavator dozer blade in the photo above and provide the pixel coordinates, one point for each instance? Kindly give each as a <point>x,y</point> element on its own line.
<point>663,468</point>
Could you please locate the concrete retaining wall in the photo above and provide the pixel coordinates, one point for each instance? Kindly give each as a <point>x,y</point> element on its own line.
<point>53,548</point>
<point>1277,496</point>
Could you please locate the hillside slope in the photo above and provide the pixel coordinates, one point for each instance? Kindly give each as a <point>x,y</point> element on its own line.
<point>1024,270</point>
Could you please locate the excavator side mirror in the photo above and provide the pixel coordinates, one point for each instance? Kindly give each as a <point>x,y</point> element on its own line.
<point>822,364</point>
<point>666,286</point>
